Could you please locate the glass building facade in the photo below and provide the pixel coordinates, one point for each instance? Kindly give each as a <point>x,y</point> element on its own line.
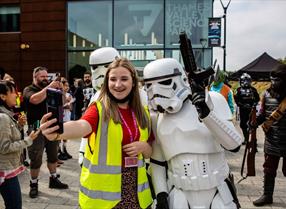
<point>142,30</point>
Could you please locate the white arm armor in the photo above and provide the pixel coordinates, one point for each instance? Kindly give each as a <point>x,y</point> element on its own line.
<point>158,172</point>
<point>219,122</point>
<point>223,131</point>
<point>143,97</point>
<point>82,146</point>
<point>84,140</point>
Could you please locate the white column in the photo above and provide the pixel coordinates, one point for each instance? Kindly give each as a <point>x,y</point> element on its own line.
<point>125,39</point>
<point>99,39</point>
<point>74,41</point>
<point>152,38</point>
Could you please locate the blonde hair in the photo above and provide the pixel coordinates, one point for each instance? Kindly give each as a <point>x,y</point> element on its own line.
<point>111,107</point>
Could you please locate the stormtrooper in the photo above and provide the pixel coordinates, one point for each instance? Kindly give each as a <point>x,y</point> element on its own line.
<point>188,165</point>
<point>99,60</point>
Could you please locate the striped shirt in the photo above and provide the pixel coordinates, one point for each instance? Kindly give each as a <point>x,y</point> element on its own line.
<point>8,174</point>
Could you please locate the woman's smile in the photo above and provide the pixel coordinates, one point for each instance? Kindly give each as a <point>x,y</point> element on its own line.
<point>120,82</point>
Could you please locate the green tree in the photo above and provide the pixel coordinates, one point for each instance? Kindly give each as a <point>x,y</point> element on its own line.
<point>282,60</point>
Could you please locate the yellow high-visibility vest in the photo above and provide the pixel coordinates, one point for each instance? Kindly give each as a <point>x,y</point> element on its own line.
<point>100,181</point>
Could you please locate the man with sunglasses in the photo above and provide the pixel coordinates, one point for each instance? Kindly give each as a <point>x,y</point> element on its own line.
<point>35,96</point>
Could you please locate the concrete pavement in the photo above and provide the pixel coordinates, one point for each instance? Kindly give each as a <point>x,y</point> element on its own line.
<point>251,188</point>
<point>248,190</point>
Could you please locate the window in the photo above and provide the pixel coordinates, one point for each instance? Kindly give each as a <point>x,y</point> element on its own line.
<point>202,56</point>
<point>138,24</point>
<point>9,18</point>
<point>141,57</point>
<point>87,31</point>
<point>141,30</point>
<point>86,28</point>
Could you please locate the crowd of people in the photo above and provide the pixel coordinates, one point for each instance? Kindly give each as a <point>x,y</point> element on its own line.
<point>173,126</point>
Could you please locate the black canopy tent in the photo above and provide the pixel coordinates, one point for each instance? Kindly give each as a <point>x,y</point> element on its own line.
<point>259,69</point>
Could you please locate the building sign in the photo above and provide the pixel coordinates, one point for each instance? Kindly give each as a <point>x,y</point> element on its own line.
<point>214,35</point>
<point>188,16</point>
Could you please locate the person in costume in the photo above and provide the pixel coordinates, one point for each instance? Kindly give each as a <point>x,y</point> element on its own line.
<point>272,116</point>
<point>188,165</point>
<point>246,97</point>
<point>218,85</point>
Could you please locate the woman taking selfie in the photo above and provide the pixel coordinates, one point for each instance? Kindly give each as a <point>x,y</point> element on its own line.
<point>118,127</point>
<point>11,147</point>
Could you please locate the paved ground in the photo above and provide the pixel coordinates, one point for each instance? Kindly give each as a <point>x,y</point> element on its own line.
<point>248,190</point>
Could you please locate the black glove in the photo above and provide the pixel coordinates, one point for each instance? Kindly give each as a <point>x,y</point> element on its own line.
<point>198,99</point>
<point>259,120</point>
<point>162,201</point>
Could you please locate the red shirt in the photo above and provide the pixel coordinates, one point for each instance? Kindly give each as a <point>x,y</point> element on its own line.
<point>91,116</point>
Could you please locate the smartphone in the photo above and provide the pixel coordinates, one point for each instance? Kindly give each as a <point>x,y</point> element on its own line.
<point>55,106</point>
<point>58,77</point>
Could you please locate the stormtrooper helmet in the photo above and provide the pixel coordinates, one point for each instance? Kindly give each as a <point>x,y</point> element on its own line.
<point>166,85</point>
<point>245,80</point>
<point>99,60</point>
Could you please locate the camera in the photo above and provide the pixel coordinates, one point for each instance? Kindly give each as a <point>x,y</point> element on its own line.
<point>58,76</point>
<point>55,106</point>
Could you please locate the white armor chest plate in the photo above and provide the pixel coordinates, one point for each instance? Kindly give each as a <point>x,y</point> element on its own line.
<point>184,133</point>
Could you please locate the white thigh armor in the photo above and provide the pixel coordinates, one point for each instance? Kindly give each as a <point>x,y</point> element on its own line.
<point>215,198</point>
<point>197,171</point>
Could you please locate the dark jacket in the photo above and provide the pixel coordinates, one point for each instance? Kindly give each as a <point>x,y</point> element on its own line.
<point>275,138</point>
<point>245,98</point>
<point>34,111</point>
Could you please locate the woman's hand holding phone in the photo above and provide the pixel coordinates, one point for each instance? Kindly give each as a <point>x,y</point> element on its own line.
<point>48,127</point>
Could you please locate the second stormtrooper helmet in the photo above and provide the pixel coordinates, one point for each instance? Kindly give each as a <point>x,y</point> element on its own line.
<point>99,60</point>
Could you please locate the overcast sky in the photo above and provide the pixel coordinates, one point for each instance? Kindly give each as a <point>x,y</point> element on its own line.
<point>253,27</point>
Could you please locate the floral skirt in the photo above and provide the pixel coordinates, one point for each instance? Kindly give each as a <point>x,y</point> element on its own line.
<point>129,197</point>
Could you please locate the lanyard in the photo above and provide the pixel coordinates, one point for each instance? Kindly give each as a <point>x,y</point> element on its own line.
<point>128,128</point>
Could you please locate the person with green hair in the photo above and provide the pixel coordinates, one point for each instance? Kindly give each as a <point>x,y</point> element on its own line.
<point>218,85</point>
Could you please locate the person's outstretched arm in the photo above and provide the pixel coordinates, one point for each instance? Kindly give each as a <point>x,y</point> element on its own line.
<point>72,129</point>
